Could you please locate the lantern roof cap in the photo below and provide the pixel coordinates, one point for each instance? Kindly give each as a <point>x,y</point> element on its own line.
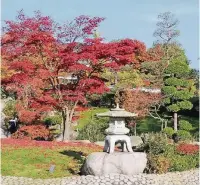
<point>117,112</point>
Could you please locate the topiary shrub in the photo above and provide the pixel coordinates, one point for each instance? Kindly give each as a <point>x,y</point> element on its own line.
<point>184,135</point>
<point>32,132</point>
<point>185,125</point>
<point>169,131</point>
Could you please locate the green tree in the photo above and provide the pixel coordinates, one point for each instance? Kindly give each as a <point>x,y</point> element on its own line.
<point>9,110</point>
<point>178,87</point>
<point>164,49</point>
<point>126,78</point>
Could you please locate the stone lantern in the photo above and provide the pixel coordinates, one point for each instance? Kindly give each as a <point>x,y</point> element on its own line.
<point>116,132</point>
<point>110,162</point>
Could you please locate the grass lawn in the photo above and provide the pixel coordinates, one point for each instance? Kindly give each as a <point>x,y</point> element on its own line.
<point>149,124</point>
<point>34,158</point>
<point>87,115</point>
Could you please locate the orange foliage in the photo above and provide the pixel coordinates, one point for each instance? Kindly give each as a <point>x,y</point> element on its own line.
<point>32,132</point>
<point>138,102</point>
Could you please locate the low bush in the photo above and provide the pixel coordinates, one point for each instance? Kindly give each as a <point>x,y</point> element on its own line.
<point>157,164</point>
<point>184,135</point>
<point>185,125</point>
<point>10,110</point>
<point>155,143</point>
<point>94,131</point>
<point>33,132</point>
<point>187,149</point>
<point>163,157</point>
<point>183,162</point>
<point>169,131</point>
<point>54,124</point>
<point>196,136</point>
<point>53,120</point>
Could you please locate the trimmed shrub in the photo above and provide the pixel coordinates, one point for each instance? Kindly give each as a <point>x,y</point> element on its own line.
<point>185,125</point>
<point>184,135</point>
<point>169,131</point>
<point>33,132</point>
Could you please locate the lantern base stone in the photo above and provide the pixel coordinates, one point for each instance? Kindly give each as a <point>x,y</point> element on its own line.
<point>102,163</point>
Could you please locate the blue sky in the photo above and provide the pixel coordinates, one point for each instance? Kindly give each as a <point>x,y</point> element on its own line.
<point>124,18</point>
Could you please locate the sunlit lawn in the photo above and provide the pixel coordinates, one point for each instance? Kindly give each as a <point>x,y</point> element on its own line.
<point>149,124</point>
<point>35,160</point>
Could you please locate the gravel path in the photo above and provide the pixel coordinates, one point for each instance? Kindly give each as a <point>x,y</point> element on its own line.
<point>177,178</point>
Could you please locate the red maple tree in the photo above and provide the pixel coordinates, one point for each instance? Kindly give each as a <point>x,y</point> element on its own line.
<point>42,54</point>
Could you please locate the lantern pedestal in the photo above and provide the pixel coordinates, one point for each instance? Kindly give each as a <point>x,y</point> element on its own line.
<point>124,140</point>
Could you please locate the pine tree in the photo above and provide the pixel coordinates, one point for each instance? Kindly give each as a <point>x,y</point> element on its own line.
<point>178,87</point>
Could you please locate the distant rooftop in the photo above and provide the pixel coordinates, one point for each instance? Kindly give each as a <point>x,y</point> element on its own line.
<point>155,90</point>
<point>144,89</point>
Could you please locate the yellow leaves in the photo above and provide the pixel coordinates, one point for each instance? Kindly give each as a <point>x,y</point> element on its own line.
<point>126,78</point>
<point>5,71</point>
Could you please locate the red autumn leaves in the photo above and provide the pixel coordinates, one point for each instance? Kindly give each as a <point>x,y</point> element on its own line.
<point>187,149</point>
<point>39,51</point>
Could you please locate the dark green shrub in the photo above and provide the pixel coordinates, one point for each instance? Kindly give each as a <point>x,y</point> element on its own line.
<point>185,125</point>
<point>184,135</point>
<point>53,120</point>
<point>94,131</point>
<point>169,131</point>
<point>196,136</point>
<point>54,124</point>
<point>155,143</point>
<point>9,109</point>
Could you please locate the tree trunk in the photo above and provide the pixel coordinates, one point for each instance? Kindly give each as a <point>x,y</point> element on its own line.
<point>66,126</point>
<point>66,130</point>
<point>165,123</point>
<point>175,121</point>
<point>135,130</point>
<point>162,125</point>
<point>115,78</point>
<point>67,115</point>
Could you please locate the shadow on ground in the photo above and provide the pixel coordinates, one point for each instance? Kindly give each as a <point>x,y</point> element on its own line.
<point>78,156</point>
